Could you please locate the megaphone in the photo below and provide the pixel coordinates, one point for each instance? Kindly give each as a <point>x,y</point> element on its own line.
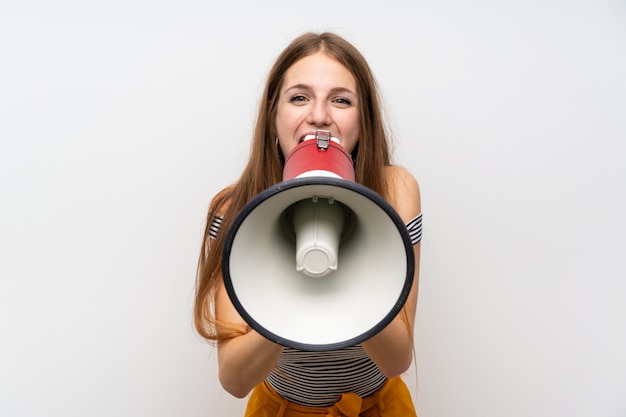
<point>318,262</point>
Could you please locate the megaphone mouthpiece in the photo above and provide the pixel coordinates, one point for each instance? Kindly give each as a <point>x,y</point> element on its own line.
<point>322,157</point>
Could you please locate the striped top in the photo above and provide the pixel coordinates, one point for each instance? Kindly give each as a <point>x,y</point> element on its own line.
<point>318,379</point>
<point>415,229</point>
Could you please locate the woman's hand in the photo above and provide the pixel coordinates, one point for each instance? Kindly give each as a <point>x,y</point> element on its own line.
<point>246,360</point>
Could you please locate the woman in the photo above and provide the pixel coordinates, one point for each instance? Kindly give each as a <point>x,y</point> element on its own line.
<point>319,82</point>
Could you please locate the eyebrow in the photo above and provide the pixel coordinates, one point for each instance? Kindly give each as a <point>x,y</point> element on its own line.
<point>308,88</point>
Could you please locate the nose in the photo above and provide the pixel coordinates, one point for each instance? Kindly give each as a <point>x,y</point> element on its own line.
<point>319,114</point>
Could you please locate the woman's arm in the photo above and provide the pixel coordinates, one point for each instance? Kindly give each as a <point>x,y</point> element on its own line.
<point>392,348</point>
<point>244,361</point>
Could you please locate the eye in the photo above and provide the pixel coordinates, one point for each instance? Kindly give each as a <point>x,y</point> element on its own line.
<point>298,98</point>
<point>343,101</point>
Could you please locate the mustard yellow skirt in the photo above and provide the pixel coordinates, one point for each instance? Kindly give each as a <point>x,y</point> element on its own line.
<point>392,400</point>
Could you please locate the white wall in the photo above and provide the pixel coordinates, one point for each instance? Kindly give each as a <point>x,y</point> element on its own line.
<point>120,120</point>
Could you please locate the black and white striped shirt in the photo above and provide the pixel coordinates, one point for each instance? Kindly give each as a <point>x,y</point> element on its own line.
<point>318,378</point>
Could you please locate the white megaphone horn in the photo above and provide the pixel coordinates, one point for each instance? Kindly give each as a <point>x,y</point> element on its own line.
<point>318,261</point>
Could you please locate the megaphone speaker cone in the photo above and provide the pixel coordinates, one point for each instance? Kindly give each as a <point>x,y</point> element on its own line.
<point>356,269</point>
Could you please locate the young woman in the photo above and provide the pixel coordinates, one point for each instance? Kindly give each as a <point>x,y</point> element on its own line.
<point>319,82</point>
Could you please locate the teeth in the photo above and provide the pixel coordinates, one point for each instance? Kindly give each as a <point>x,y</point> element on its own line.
<point>309,137</point>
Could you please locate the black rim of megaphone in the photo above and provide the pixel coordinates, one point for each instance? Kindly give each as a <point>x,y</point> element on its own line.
<point>300,182</point>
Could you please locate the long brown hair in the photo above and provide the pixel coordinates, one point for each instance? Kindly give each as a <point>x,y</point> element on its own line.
<point>265,163</point>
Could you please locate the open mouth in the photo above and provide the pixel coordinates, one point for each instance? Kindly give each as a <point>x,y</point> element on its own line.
<point>317,134</point>
<point>306,137</point>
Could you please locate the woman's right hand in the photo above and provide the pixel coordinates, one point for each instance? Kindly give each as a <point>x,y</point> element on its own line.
<point>244,361</point>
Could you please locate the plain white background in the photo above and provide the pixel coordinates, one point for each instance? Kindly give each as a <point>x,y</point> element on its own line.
<point>120,120</point>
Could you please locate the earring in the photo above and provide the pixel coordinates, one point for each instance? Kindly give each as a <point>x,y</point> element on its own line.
<point>355,153</point>
<point>281,157</point>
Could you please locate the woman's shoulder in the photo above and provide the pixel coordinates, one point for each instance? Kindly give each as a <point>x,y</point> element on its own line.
<point>398,177</point>
<point>404,191</point>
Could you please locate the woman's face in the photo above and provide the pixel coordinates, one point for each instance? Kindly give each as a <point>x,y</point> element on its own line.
<point>318,93</point>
